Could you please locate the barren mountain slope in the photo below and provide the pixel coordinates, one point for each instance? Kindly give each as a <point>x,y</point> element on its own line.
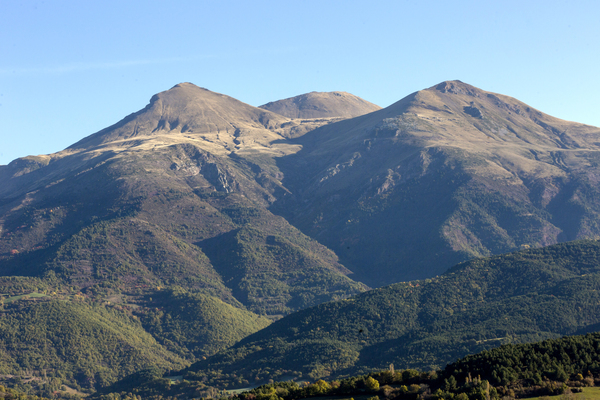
<point>443,175</point>
<point>322,105</point>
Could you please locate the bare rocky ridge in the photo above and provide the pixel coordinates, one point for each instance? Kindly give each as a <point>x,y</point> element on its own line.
<point>322,105</point>
<point>213,121</point>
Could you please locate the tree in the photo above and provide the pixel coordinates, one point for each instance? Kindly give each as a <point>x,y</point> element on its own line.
<point>450,383</point>
<point>322,386</point>
<point>372,383</point>
<point>561,375</point>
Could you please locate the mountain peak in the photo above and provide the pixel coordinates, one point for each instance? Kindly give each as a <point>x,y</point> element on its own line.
<point>186,92</point>
<point>187,84</point>
<point>322,105</point>
<point>457,87</point>
<point>189,112</point>
<point>493,147</point>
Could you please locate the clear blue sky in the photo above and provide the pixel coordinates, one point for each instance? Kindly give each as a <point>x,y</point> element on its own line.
<point>71,68</point>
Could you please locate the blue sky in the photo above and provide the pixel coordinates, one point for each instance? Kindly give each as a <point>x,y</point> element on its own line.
<point>71,68</point>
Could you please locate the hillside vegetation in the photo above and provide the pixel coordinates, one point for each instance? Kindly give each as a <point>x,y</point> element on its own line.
<point>549,368</point>
<point>525,296</point>
<point>89,340</point>
<point>78,342</point>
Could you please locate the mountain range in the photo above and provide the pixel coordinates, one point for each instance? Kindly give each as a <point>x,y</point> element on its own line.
<point>251,214</point>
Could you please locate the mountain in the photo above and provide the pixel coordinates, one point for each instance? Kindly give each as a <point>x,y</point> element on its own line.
<point>217,123</point>
<point>525,296</point>
<point>170,206</point>
<point>444,175</point>
<point>177,193</point>
<point>200,209</point>
<point>321,105</point>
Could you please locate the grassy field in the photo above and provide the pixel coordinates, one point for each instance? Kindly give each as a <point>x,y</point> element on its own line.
<point>15,298</point>
<point>589,393</point>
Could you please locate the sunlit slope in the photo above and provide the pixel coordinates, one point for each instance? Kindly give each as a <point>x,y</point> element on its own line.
<point>88,344</point>
<point>322,105</point>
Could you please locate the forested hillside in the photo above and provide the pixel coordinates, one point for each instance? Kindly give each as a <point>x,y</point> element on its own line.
<point>552,367</point>
<point>525,296</point>
<point>89,340</point>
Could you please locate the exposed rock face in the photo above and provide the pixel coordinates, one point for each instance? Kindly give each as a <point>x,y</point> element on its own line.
<point>472,111</point>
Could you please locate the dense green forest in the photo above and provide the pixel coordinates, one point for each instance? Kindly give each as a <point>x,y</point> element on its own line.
<point>550,367</point>
<point>78,341</point>
<point>12,394</point>
<point>195,325</point>
<point>525,296</point>
<point>89,339</point>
